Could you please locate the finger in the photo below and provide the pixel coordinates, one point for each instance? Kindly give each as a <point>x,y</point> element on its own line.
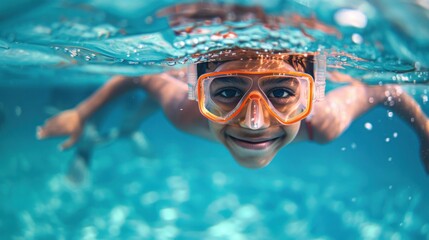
<point>44,132</point>
<point>51,129</point>
<point>70,142</point>
<point>67,144</point>
<point>40,133</point>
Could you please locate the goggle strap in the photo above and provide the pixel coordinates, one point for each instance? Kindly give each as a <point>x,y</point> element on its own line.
<point>192,80</point>
<point>320,76</point>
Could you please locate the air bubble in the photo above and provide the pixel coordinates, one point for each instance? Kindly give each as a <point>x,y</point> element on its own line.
<point>368,126</point>
<point>189,42</point>
<point>425,99</point>
<point>73,53</point>
<point>357,38</point>
<point>179,44</point>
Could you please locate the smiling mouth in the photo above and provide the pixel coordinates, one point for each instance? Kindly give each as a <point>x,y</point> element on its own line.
<point>254,144</point>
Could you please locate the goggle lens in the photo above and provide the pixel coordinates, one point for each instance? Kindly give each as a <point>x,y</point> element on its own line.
<point>286,96</point>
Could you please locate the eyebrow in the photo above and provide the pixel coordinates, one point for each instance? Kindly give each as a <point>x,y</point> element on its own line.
<point>230,79</point>
<point>279,80</point>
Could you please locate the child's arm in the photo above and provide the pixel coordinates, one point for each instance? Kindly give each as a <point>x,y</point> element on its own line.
<point>70,122</point>
<point>169,92</point>
<point>113,88</point>
<point>172,95</point>
<point>341,106</point>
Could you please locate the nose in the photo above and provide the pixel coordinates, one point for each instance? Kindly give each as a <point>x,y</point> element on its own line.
<point>254,117</point>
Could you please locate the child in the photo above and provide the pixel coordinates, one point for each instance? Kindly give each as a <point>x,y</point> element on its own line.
<point>254,104</point>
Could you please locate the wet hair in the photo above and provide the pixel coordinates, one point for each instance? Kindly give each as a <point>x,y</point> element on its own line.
<point>203,67</point>
<point>300,62</point>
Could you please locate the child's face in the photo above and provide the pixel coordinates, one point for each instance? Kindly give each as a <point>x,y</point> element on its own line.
<point>254,148</point>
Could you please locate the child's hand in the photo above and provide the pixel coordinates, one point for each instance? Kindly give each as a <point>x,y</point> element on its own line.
<point>67,123</point>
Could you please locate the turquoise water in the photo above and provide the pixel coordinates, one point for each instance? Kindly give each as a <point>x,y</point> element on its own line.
<point>367,184</point>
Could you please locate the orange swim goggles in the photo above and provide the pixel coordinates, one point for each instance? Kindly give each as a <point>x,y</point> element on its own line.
<point>285,95</point>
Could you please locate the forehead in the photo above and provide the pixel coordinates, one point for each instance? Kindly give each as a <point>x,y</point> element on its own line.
<point>254,65</point>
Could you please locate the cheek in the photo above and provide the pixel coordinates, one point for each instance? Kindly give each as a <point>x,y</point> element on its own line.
<point>217,130</point>
<point>291,131</point>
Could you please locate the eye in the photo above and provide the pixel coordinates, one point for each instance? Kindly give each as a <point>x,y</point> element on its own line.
<point>280,93</point>
<point>229,93</point>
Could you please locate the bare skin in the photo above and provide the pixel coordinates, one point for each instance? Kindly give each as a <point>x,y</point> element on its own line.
<point>330,117</point>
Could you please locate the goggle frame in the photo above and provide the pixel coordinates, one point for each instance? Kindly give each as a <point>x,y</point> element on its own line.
<point>201,95</point>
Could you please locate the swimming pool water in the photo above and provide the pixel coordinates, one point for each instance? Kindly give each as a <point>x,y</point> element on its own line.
<point>359,186</point>
<point>367,184</point>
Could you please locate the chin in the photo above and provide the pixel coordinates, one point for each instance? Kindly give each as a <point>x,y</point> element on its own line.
<point>253,162</point>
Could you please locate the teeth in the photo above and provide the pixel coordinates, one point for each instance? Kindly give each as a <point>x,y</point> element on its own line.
<point>261,141</point>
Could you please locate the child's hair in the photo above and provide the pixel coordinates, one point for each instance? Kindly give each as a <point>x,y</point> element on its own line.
<point>300,62</point>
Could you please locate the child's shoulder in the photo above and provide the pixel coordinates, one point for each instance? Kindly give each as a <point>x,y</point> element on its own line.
<point>178,73</point>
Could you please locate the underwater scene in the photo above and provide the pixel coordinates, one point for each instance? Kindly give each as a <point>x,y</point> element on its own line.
<point>127,179</point>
